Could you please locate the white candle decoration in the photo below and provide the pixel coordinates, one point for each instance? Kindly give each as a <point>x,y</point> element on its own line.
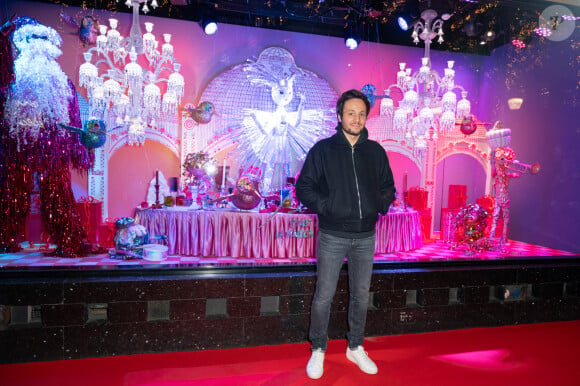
<point>224,175</point>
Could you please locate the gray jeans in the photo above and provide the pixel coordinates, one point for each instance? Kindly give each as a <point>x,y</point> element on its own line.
<point>331,251</point>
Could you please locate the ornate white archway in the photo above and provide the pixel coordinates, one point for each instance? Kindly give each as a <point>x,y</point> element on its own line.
<point>449,143</point>
<point>98,176</point>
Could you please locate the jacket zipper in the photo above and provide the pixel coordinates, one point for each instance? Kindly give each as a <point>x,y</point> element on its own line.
<point>356,183</point>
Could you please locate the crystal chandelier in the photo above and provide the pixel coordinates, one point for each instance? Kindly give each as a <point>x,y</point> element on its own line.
<point>429,100</point>
<point>123,84</point>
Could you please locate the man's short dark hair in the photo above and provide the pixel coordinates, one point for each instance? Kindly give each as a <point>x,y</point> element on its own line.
<point>351,94</point>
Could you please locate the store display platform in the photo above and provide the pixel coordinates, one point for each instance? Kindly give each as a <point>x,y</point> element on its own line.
<point>56,308</point>
<point>433,251</point>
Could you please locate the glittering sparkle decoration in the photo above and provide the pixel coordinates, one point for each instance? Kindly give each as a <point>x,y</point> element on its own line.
<point>34,149</point>
<point>570,17</point>
<point>197,166</point>
<point>518,43</point>
<point>470,224</point>
<point>543,31</point>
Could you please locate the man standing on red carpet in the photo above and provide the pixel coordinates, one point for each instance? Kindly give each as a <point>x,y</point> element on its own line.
<point>347,180</point>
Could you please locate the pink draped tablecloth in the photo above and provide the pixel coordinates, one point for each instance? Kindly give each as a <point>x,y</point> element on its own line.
<point>262,235</point>
<point>235,234</point>
<point>398,231</point>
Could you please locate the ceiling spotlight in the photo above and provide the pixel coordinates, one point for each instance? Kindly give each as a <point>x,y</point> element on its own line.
<point>351,37</point>
<point>352,41</point>
<point>209,25</point>
<point>489,35</point>
<point>409,12</point>
<point>209,20</point>
<point>403,23</point>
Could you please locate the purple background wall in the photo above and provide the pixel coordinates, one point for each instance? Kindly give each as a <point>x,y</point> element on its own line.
<point>545,207</point>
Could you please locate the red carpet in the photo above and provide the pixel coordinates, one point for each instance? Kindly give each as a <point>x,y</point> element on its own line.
<point>528,355</point>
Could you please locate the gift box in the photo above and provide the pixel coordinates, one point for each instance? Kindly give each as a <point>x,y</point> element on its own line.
<point>416,198</point>
<point>498,227</point>
<point>425,218</point>
<point>487,202</point>
<point>33,230</point>
<point>90,211</point>
<point>33,225</point>
<point>457,196</point>
<point>449,231</point>
<point>107,232</point>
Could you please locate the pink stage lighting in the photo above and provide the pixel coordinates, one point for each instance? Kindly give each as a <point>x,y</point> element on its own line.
<point>518,43</point>
<point>543,31</point>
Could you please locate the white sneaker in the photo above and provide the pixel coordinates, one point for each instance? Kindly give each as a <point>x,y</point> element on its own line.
<point>361,358</point>
<point>315,367</point>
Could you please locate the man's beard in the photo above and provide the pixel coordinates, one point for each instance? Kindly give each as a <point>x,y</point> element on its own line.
<point>38,98</point>
<point>348,131</point>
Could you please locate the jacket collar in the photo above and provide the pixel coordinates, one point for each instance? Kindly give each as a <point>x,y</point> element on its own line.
<point>340,138</point>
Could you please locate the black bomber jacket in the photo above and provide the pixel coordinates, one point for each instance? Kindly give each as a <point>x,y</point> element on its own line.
<point>347,186</point>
